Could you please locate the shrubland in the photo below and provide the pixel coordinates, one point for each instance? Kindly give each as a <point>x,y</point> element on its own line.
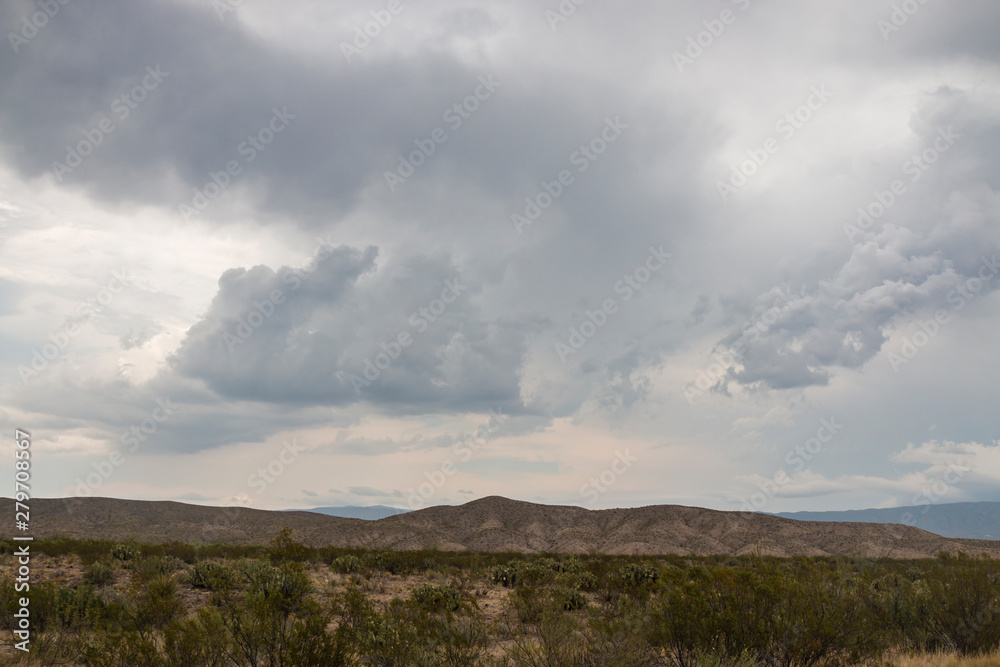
<point>286,604</point>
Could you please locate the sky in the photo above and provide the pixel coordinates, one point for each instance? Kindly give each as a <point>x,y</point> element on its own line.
<point>733,254</point>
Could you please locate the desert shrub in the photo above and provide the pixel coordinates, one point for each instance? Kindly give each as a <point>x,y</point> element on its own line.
<point>436,598</point>
<point>819,615</point>
<point>536,573</point>
<point>684,622</point>
<point>249,570</point>
<point>895,602</point>
<point>613,636</point>
<point>88,550</point>
<point>189,643</point>
<point>124,552</point>
<point>554,639</point>
<point>154,566</point>
<point>805,616</point>
<point>634,575</point>
<point>259,617</point>
<point>181,551</point>
<point>506,575</point>
<point>564,564</point>
<point>310,645</point>
<point>348,564</point>
<point>458,640</point>
<point>122,649</point>
<point>284,587</point>
<point>519,572</point>
<point>961,601</point>
<point>156,602</point>
<point>284,548</point>
<point>569,599</point>
<point>584,581</point>
<point>391,638</point>
<point>99,573</point>
<point>211,575</point>
<point>203,640</point>
<point>527,603</point>
<point>54,607</point>
<point>387,561</point>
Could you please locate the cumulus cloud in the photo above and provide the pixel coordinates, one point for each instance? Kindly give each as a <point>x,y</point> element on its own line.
<point>406,338</point>
<point>925,260</point>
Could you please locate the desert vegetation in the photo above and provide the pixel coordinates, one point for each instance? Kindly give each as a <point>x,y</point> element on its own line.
<point>108,604</point>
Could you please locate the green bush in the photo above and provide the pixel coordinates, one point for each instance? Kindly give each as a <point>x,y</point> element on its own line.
<point>124,552</point>
<point>348,564</point>
<point>505,575</point>
<point>211,575</point>
<point>388,561</point>
<point>585,581</point>
<point>569,599</point>
<point>634,575</point>
<point>962,603</point>
<point>154,566</point>
<point>528,604</point>
<point>156,602</point>
<point>99,574</point>
<point>284,548</point>
<point>189,643</point>
<point>181,551</point>
<point>784,614</point>
<point>122,649</point>
<point>436,598</point>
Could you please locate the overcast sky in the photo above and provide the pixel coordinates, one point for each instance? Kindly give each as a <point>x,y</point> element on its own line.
<point>731,254</point>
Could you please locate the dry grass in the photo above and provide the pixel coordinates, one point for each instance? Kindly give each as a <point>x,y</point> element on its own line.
<point>946,660</point>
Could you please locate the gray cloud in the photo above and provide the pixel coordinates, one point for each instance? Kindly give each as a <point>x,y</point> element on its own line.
<point>200,280</point>
<point>916,259</point>
<point>349,332</point>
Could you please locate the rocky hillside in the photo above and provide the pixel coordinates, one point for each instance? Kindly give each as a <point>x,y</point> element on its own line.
<point>497,524</point>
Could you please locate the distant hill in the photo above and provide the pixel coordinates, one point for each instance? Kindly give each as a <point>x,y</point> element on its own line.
<point>370,513</point>
<point>975,521</point>
<point>494,524</point>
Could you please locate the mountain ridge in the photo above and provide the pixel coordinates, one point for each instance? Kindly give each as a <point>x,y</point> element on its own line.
<point>496,524</point>
<point>368,513</point>
<point>967,520</point>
